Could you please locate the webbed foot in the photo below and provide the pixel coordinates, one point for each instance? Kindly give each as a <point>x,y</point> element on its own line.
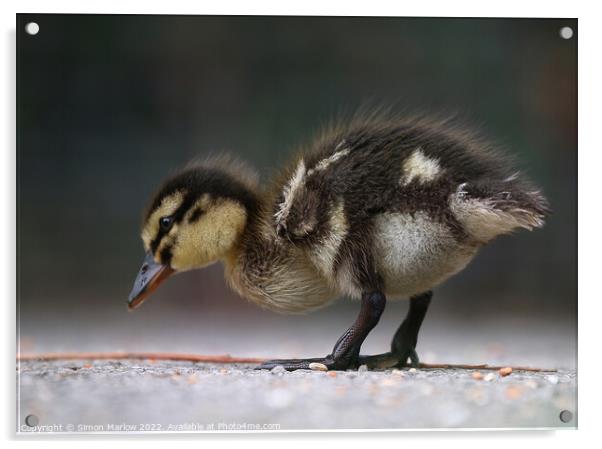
<point>403,346</point>
<point>404,353</point>
<point>347,348</point>
<point>295,364</point>
<point>391,360</point>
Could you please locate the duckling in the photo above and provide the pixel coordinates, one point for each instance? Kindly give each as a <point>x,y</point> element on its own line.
<point>376,208</point>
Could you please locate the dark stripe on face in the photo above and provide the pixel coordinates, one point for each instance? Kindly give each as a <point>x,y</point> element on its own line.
<point>178,215</point>
<point>196,214</point>
<point>196,182</point>
<point>201,180</point>
<point>166,255</point>
<point>155,243</point>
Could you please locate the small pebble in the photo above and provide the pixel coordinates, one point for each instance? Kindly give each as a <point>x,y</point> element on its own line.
<point>412,370</point>
<point>552,379</point>
<point>506,371</point>
<point>278,369</point>
<point>362,369</point>
<point>477,375</point>
<point>314,366</point>
<point>489,377</point>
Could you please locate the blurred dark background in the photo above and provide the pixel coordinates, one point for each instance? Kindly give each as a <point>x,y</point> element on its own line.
<point>110,105</point>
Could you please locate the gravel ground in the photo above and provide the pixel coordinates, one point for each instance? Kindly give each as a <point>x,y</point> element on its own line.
<point>132,395</point>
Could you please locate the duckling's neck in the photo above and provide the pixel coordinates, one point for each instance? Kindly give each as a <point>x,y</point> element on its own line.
<point>257,235</point>
<point>271,272</point>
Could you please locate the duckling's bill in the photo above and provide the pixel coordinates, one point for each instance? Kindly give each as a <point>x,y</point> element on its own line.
<point>150,276</point>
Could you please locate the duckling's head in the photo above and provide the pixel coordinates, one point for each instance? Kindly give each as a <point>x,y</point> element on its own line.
<point>196,218</point>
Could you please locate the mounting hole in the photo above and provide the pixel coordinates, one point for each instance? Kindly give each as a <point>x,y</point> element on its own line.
<point>31,420</point>
<point>32,28</point>
<point>566,32</point>
<point>566,416</point>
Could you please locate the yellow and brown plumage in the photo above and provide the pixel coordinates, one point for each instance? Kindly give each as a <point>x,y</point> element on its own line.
<point>373,209</point>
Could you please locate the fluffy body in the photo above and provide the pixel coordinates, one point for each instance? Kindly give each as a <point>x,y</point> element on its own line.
<point>379,204</point>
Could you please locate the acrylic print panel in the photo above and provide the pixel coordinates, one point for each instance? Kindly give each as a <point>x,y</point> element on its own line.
<point>390,199</point>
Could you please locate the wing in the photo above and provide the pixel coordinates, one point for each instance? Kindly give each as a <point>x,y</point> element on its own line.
<point>379,165</point>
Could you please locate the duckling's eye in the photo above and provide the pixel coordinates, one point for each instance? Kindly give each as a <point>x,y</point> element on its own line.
<point>165,223</point>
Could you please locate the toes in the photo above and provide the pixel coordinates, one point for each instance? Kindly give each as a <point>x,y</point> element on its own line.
<point>287,364</point>
<point>293,364</point>
<point>414,360</point>
<point>408,353</point>
<point>379,361</point>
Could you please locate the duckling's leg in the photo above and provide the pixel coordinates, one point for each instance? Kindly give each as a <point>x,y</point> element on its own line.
<point>404,341</point>
<point>406,337</point>
<point>347,348</point>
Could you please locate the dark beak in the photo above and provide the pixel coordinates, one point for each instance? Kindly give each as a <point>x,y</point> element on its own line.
<point>150,276</point>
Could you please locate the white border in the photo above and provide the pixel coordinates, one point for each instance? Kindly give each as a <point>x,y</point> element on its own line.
<point>590,74</point>
<point>458,8</point>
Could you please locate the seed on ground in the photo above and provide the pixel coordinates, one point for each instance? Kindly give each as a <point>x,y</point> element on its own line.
<point>505,371</point>
<point>318,366</point>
